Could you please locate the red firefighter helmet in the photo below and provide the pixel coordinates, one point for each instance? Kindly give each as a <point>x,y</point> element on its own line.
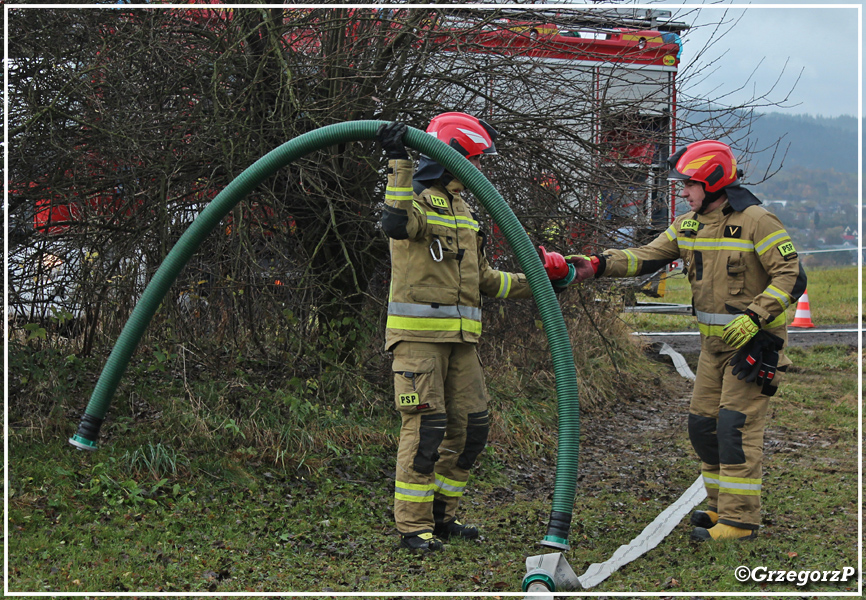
<point>466,134</point>
<point>708,161</point>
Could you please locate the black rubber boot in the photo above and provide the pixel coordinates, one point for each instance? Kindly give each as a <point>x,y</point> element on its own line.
<point>704,519</point>
<point>455,528</point>
<point>426,542</point>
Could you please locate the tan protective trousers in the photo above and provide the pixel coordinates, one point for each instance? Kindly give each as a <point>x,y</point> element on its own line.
<point>440,392</point>
<point>726,426</point>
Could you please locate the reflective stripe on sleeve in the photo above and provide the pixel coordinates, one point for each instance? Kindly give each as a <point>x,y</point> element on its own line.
<point>398,194</point>
<point>671,233</point>
<point>771,240</point>
<point>783,298</point>
<point>632,263</point>
<point>504,285</point>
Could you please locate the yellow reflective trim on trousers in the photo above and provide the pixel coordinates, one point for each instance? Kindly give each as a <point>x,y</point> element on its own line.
<point>748,480</point>
<point>736,492</point>
<point>424,491</point>
<point>632,263</point>
<point>405,498</point>
<point>710,480</point>
<point>739,486</point>
<point>449,487</point>
<point>422,324</point>
<point>440,479</point>
<point>771,240</point>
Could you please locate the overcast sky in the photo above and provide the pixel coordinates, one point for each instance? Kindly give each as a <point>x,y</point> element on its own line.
<point>820,44</point>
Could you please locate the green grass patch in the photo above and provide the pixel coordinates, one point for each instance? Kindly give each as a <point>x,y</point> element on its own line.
<point>153,511</point>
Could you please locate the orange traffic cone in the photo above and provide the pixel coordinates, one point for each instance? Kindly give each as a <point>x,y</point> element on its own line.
<point>803,316</point>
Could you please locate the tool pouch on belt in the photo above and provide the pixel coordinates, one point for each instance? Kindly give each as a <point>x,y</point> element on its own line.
<point>757,362</point>
<point>415,384</point>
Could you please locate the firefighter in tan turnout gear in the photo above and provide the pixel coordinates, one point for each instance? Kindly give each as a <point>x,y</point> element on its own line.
<point>744,273</point>
<point>438,275</point>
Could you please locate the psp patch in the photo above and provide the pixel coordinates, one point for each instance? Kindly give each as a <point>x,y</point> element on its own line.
<point>787,250</point>
<point>439,201</point>
<point>412,399</point>
<point>690,226</point>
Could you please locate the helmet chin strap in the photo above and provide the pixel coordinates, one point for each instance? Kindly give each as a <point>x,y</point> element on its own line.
<point>709,198</point>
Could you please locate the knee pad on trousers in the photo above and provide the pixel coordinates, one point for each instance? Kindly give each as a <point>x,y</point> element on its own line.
<point>431,432</point>
<point>702,433</point>
<point>730,437</point>
<point>477,428</point>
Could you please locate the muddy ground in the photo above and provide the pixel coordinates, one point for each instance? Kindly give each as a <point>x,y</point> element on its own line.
<point>613,452</point>
<point>803,338</point>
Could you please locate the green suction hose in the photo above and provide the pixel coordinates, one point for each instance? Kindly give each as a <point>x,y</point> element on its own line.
<point>472,178</point>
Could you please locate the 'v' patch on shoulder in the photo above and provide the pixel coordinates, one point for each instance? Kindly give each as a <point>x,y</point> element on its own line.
<point>733,231</point>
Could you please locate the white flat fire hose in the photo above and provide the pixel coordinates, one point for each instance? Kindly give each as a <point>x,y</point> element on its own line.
<point>553,569</point>
<point>663,524</point>
<point>649,538</point>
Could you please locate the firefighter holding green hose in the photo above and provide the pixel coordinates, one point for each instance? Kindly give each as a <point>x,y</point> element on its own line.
<point>438,276</point>
<point>744,273</point>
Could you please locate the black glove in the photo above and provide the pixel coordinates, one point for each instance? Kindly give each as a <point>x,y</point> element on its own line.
<point>757,361</point>
<point>390,135</point>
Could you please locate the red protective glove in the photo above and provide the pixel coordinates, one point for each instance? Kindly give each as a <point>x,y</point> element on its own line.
<point>586,267</point>
<point>554,263</point>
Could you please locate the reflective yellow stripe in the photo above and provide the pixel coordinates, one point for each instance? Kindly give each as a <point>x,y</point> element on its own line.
<point>778,321</point>
<point>727,490</point>
<point>449,487</point>
<point>746,480</point>
<point>449,221</point>
<point>710,480</point>
<point>413,492</point>
<point>632,263</point>
<point>398,194</point>
<point>422,324</point>
<point>716,330</point>
<point>771,240</point>
<point>740,486</point>
<point>783,298</point>
<point>504,285</point>
<point>671,233</point>
<point>709,244</point>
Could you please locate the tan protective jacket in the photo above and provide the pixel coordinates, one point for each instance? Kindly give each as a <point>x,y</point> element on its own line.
<point>438,268</point>
<point>734,260</point>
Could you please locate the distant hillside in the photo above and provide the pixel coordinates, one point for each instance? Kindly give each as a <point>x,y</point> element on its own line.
<point>815,143</point>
